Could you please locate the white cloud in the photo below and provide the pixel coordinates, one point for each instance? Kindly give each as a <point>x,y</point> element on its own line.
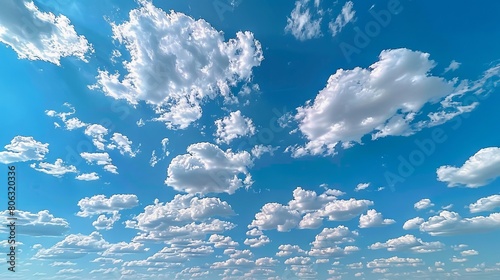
<point>177,63</point>
<point>100,159</point>
<point>36,35</point>
<point>184,216</point>
<point>87,177</point>
<point>373,219</point>
<point>413,223</point>
<point>232,127</point>
<point>479,170</point>
<point>301,23</point>
<point>57,169</point>
<point>343,210</point>
<point>381,100</point>
<point>330,236</point>
<point>423,204</point>
<point>408,242</point>
<point>266,262</point>
<point>221,241</point>
<point>454,65</point>
<point>106,223</point>
<point>99,204</point>
<point>123,144</point>
<point>97,132</point>
<point>257,242</point>
<point>74,246</point>
<point>71,123</point>
<point>121,248</point>
<point>22,149</point>
<point>485,204</point>
<point>450,223</point>
<point>361,187</point>
<point>208,169</point>
<point>286,250</point>
<point>394,262</point>
<point>36,224</point>
<point>307,201</point>
<point>259,150</point>
<point>276,216</point>
<point>347,15</point>
<point>467,253</point>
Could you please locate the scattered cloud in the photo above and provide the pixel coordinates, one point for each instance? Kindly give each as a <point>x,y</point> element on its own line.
<point>485,204</point>
<point>479,170</point>
<point>373,219</point>
<point>22,148</point>
<point>408,242</point>
<point>57,169</point>
<point>232,127</point>
<point>347,15</point>
<point>100,204</point>
<point>423,204</point>
<point>36,224</point>
<point>302,24</point>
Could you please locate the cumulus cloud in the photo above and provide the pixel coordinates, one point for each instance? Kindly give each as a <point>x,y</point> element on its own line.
<point>344,210</point>
<point>373,219</point>
<point>413,223</point>
<point>221,241</point>
<point>208,169</point>
<point>177,63</point>
<point>22,148</point>
<point>485,204</point>
<point>260,150</point>
<point>347,15</point>
<point>100,204</point>
<point>302,23</point>
<point>36,35</point>
<point>479,170</point>
<point>408,242</point>
<point>382,100</point>
<point>184,216</point>
<point>394,262</point>
<point>286,250</point>
<point>276,216</point>
<point>257,242</point>
<point>57,169</point>
<point>106,223</point>
<point>88,177</point>
<point>36,224</point>
<point>74,246</point>
<point>232,127</point>
<point>331,236</point>
<point>450,223</point>
<point>423,204</point>
<point>97,132</point>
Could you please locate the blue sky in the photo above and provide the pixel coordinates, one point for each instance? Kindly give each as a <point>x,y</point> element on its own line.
<point>251,139</point>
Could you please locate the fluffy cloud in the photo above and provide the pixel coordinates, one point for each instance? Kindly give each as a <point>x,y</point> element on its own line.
<point>423,204</point>
<point>467,253</point>
<point>257,242</point>
<point>74,246</point>
<point>287,250</point>
<point>57,169</point>
<point>330,236</point>
<point>208,169</point>
<point>87,177</point>
<point>373,219</point>
<point>479,170</point>
<point>413,223</point>
<point>100,159</point>
<point>97,132</point>
<point>23,148</point>
<point>221,241</point>
<point>259,150</point>
<point>183,215</point>
<point>36,224</point>
<point>382,100</point>
<point>276,216</point>
<point>99,204</point>
<point>347,15</point>
<point>408,242</point>
<point>106,223</point>
<point>450,223</point>
<point>177,63</point>
<point>36,35</point>
<point>306,201</point>
<point>485,204</point>
<point>343,210</point>
<point>232,127</point>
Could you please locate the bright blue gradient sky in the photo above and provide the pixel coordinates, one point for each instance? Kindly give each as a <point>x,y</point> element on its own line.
<point>251,139</point>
